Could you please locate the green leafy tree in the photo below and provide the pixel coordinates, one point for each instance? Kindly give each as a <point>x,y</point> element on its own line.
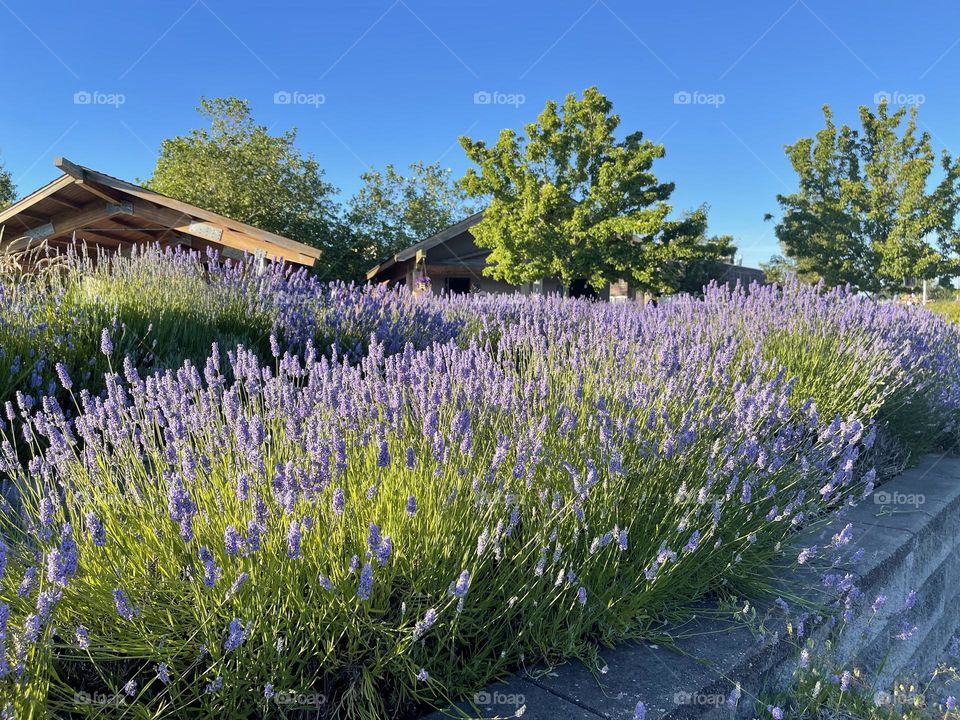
<point>779,266</point>
<point>867,211</point>
<point>570,201</point>
<point>391,211</point>
<point>8,192</point>
<point>699,274</point>
<point>235,167</point>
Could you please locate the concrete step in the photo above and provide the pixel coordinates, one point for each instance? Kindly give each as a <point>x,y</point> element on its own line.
<point>910,529</point>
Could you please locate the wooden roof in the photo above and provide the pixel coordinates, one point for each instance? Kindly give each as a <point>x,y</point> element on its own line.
<point>87,205</point>
<point>441,237</point>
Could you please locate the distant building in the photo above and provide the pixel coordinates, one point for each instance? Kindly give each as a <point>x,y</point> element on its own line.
<point>451,261</point>
<point>98,210</point>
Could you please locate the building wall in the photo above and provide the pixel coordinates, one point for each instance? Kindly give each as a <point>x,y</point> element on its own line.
<point>457,265</point>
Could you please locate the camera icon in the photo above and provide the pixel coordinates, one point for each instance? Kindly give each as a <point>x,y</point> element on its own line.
<point>881,497</point>
<point>282,97</point>
<point>881,97</point>
<point>682,697</point>
<point>482,698</point>
<point>82,97</point>
<point>682,97</point>
<point>482,97</point>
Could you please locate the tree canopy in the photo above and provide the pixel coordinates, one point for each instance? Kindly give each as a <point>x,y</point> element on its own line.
<point>235,167</point>
<point>392,211</point>
<point>868,210</point>
<point>571,201</point>
<point>8,192</point>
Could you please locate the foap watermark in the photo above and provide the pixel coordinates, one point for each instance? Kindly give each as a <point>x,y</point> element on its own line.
<point>894,497</point>
<point>96,97</point>
<point>99,698</point>
<point>487,698</point>
<point>898,97</point>
<point>297,97</point>
<point>686,97</point>
<point>682,697</point>
<point>486,97</point>
<point>292,699</point>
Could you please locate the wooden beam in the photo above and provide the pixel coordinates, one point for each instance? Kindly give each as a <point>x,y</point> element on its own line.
<point>67,203</point>
<point>214,233</point>
<point>99,192</point>
<point>82,178</point>
<point>35,197</point>
<point>67,223</point>
<point>475,271</point>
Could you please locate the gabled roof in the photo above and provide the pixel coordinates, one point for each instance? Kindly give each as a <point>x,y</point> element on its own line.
<point>112,212</point>
<point>441,237</point>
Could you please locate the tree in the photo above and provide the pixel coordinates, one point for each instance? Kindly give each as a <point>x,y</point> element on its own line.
<point>698,274</point>
<point>238,169</point>
<point>391,212</point>
<point>8,192</point>
<point>866,211</point>
<point>574,203</point>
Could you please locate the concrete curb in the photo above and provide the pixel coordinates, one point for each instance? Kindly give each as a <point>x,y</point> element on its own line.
<point>910,530</point>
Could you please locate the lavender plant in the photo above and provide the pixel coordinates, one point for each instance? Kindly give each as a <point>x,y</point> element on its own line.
<point>259,532</point>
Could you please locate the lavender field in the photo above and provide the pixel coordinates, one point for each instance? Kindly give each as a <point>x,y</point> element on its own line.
<point>226,487</point>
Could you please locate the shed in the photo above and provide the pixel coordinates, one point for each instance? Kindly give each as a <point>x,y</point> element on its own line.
<point>104,211</point>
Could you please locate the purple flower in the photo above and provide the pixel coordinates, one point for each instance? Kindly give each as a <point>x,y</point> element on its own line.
<point>366,582</point>
<point>845,679</point>
<point>693,542</point>
<point>805,555</point>
<point>83,637</point>
<point>338,501</point>
<point>910,601</point>
<point>879,602</point>
<point>181,507</point>
<point>130,688</point>
<point>122,602</point>
<point>214,686</point>
<point>211,573</point>
<point>26,585</point>
<point>462,585</point>
<point>238,582</point>
<point>163,673</point>
<point>429,618</point>
<point>293,540</point>
<point>98,536</point>
<point>236,634</point>
<point>232,540</point>
<point>64,376</point>
<point>3,558</point>
<point>106,344</point>
<point>950,703</point>
<point>640,711</point>
<point>383,456</point>
<point>62,561</point>
<point>423,675</point>
<point>844,536</point>
<point>411,506</point>
<point>380,546</point>
<point>775,712</point>
<point>582,595</point>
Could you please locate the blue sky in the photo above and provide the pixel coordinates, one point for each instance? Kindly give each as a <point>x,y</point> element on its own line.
<point>398,80</point>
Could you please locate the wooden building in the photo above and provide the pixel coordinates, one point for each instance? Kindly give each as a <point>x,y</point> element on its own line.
<point>83,205</point>
<point>451,261</point>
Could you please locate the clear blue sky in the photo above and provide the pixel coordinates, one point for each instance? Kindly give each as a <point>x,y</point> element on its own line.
<point>398,80</point>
